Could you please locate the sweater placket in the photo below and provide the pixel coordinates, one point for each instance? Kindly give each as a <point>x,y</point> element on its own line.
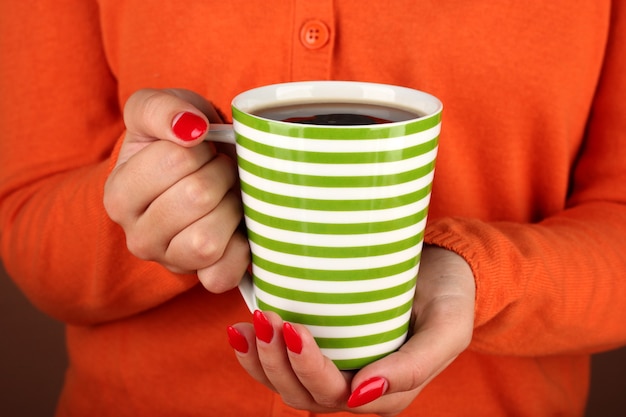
<point>313,39</point>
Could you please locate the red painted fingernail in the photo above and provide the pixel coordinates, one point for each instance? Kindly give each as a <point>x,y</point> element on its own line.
<point>262,327</point>
<point>368,391</point>
<point>188,126</point>
<point>236,340</point>
<point>292,338</point>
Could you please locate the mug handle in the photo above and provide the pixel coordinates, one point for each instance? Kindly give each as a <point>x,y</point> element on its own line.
<point>247,292</point>
<point>225,133</point>
<point>219,132</point>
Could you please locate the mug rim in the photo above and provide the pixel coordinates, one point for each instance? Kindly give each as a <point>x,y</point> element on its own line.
<point>334,91</point>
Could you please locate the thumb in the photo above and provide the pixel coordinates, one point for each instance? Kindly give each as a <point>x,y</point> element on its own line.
<point>176,115</point>
<point>443,329</point>
<point>189,126</point>
<point>400,376</point>
<point>179,116</point>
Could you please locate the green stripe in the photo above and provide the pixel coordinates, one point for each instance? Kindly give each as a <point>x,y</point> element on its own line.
<point>355,342</point>
<point>351,364</point>
<point>355,320</point>
<point>335,229</point>
<point>335,205</point>
<point>332,132</point>
<point>355,157</point>
<point>329,275</point>
<point>334,298</point>
<point>335,252</point>
<point>335,181</point>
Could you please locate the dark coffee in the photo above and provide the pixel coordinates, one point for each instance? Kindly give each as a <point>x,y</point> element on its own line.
<point>338,119</point>
<point>336,114</point>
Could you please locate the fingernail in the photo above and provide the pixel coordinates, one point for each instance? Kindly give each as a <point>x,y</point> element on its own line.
<point>236,340</point>
<point>292,338</point>
<point>368,391</point>
<point>262,327</point>
<point>188,126</point>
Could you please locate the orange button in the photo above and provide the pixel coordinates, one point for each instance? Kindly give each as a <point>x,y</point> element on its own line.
<point>314,34</point>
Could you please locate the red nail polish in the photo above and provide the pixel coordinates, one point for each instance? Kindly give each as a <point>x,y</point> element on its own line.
<point>292,338</point>
<point>263,327</point>
<point>368,391</point>
<point>188,126</point>
<point>236,340</point>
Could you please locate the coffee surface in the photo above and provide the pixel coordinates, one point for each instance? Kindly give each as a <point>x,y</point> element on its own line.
<point>338,119</point>
<point>336,114</point>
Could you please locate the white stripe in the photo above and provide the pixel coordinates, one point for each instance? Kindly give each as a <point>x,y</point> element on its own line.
<point>335,264</point>
<point>339,241</point>
<point>335,287</point>
<point>335,217</point>
<point>337,145</point>
<point>317,309</point>
<point>360,330</point>
<point>340,169</point>
<point>336,193</point>
<point>365,351</point>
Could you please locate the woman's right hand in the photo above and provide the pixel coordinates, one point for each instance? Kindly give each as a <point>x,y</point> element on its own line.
<point>176,198</point>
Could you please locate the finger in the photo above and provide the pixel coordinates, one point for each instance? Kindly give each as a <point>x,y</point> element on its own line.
<point>328,386</point>
<point>444,308</point>
<point>172,115</point>
<point>242,339</point>
<point>275,362</point>
<point>443,332</point>
<point>187,202</point>
<point>226,273</point>
<point>199,102</point>
<point>132,186</point>
<point>203,242</point>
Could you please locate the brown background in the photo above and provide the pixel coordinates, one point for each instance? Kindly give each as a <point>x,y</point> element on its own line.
<point>32,362</point>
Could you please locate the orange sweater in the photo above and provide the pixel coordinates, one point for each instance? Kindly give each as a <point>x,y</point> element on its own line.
<point>530,185</point>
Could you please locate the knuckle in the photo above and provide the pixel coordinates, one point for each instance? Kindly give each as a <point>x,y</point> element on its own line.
<point>137,101</point>
<point>328,402</point>
<point>417,371</point>
<point>205,247</point>
<point>175,158</point>
<point>152,104</point>
<point>139,246</point>
<point>274,368</point>
<point>216,284</point>
<point>115,205</point>
<point>195,193</point>
<point>181,161</point>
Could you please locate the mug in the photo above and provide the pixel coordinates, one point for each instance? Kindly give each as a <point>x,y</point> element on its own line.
<point>336,213</point>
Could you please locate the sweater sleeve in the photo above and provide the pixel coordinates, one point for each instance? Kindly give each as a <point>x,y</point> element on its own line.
<point>60,121</point>
<point>559,285</point>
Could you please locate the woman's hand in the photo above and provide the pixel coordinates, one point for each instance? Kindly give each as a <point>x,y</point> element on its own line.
<point>284,356</point>
<point>175,197</point>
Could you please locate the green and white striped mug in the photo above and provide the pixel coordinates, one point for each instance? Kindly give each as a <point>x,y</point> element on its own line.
<point>335,214</point>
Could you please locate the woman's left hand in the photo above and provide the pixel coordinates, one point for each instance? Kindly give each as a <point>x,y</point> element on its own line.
<point>285,357</point>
